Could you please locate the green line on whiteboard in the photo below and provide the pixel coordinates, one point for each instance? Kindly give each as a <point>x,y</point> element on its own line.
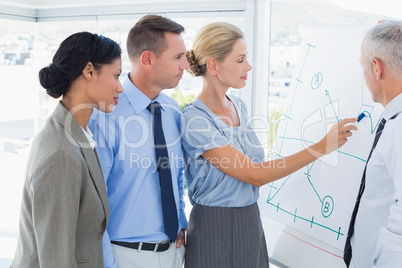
<point>288,117</point>
<point>308,177</point>
<point>338,232</point>
<point>309,169</point>
<point>351,155</point>
<point>305,58</point>
<point>307,141</point>
<point>287,121</point>
<point>294,94</point>
<point>371,120</point>
<point>268,199</point>
<point>297,139</point>
<point>330,101</point>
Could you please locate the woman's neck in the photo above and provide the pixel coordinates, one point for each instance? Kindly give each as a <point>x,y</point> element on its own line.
<point>213,96</point>
<point>81,111</point>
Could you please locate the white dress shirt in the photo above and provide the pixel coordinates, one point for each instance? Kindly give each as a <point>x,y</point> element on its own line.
<point>89,136</point>
<point>377,240</point>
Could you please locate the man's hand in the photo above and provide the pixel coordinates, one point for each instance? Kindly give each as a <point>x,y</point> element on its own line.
<point>181,238</point>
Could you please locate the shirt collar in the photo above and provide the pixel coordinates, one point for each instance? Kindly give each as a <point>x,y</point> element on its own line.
<point>89,136</point>
<point>393,107</point>
<point>138,100</point>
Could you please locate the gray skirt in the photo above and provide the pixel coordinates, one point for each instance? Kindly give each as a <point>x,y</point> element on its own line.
<point>219,237</point>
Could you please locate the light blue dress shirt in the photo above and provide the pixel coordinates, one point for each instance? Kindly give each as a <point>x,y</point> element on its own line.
<point>203,130</point>
<point>127,155</point>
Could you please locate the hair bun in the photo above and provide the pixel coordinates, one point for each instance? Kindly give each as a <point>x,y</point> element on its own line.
<point>195,68</point>
<point>54,80</point>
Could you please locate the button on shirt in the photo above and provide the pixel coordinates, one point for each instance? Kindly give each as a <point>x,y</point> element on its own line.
<point>203,130</point>
<point>377,240</point>
<point>127,155</point>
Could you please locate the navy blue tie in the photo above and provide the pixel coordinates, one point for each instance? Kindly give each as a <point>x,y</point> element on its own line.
<point>169,211</point>
<point>347,254</point>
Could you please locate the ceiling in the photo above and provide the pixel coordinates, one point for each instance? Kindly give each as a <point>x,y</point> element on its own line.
<point>48,10</point>
<point>45,10</point>
<point>71,3</point>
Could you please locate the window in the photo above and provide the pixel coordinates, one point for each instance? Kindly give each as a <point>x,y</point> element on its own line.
<point>25,48</point>
<point>286,17</point>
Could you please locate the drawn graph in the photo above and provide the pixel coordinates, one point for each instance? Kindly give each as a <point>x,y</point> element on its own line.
<point>319,198</point>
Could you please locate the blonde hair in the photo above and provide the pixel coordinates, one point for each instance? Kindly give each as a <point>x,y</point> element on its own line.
<point>213,40</point>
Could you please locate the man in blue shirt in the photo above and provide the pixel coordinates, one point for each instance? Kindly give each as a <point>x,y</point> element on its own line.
<point>136,235</point>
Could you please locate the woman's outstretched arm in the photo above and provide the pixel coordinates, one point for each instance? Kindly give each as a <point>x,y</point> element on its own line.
<point>234,163</point>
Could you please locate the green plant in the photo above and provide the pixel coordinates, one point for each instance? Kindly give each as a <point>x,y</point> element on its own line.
<point>181,99</point>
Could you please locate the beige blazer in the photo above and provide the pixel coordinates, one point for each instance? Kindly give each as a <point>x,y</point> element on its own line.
<point>64,207</point>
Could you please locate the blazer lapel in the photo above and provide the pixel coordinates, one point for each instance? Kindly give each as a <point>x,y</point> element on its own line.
<point>91,158</point>
<point>74,130</point>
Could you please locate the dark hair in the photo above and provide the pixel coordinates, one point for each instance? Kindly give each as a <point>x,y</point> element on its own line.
<point>149,34</point>
<point>71,58</point>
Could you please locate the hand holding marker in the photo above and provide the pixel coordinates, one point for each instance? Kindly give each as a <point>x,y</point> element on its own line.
<point>359,118</point>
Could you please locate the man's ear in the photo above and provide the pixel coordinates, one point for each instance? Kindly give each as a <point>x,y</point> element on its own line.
<point>89,71</point>
<point>212,66</point>
<point>378,68</point>
<point>147,59</point>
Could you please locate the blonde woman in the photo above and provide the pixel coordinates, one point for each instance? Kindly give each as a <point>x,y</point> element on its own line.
<point>225,161</point>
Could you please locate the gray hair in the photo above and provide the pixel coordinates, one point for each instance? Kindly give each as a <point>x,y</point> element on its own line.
<point>384,41</point>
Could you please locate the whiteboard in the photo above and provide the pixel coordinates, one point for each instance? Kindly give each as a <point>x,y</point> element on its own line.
<point>306,214</point>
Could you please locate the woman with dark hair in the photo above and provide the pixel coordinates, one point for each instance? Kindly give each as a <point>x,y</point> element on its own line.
<point>65,209</point>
